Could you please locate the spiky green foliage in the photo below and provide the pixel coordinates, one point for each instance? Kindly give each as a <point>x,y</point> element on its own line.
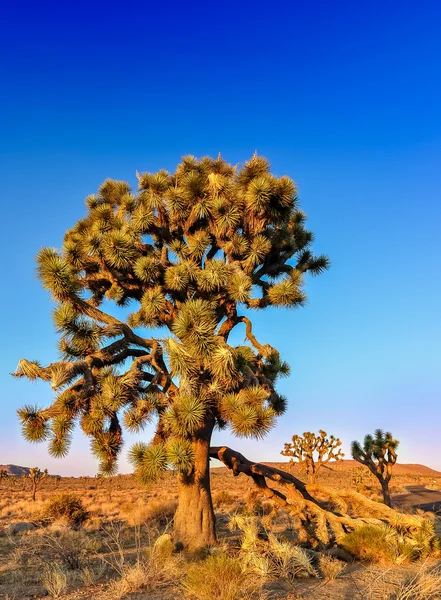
<point>191,251</point>
<point>379,455</point>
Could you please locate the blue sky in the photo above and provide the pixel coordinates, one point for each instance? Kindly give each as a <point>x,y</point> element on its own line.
<point>343,97</point>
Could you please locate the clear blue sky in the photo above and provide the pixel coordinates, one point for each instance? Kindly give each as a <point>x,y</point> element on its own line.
<point>344,97</point>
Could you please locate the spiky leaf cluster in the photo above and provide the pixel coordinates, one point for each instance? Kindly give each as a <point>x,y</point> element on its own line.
<point>378,453</point>
<point>190,251</point>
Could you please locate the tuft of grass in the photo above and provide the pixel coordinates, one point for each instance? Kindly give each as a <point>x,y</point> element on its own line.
<point>383,544</point>
<point>154,512</point>
<point>133,579</point>
<point>425,585</point>
<point>222,577</point>
<point>330,568</point>
<point>266,555</point>
<point>155,572</point>
<point>289,560</point>
<point>223,498</point>
<point>54,580</point>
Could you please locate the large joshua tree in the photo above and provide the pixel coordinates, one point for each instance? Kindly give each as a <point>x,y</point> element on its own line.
<point>191,251</point>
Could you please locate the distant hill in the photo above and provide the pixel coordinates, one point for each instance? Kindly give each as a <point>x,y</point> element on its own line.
<point>344,467</point>
<point>347,465</point>
<point>340,467</point>
<point>15,470</point>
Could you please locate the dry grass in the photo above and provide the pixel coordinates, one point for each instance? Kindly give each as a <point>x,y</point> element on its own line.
<point>424,585</point>
<point>54,580</point>
<point>115,554</point>
<point>386,545</point>
<point>65,508</point>
<point>330,568</point>
<point>222,577</point>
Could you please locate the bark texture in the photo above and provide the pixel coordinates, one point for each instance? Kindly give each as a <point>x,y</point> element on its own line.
<point>194,523</point>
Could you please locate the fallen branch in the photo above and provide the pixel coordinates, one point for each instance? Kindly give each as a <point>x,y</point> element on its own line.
<point>322,519</point>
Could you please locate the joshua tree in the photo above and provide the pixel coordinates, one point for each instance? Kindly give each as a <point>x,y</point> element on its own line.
<point>4,475</point>
<point>313,451</point>
<point>192,250</point>
<point>36,476</point>
<point>379,455</point>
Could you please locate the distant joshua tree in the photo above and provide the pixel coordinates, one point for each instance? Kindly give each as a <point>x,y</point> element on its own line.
<point>4,475</point>
<point>36,476</point>
<point>313,451</point>
<point>379,455</point>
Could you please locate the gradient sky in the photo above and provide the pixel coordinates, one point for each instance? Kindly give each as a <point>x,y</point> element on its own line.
<point>344,97</point>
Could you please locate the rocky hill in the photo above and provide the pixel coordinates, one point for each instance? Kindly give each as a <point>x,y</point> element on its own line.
<point>15,470</point>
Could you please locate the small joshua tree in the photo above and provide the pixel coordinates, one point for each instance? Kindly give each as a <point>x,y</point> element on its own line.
<point>191,252</point>
<point>4,475</point>
<point>312,451</point>
<point>379,455</point>
<point>36,476</point>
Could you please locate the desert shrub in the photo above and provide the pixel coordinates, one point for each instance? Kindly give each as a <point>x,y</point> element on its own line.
<point>69,548</point>
<point>370,543</point>
<point>133,579</point>
<point>154,512</point>
<point>386,545</point>
<point>425,585</point>
<point>330,568</point>
<point>223,498</point>
<point>67,508</point>
<point>155,571</point>
<point>222,577</point>
<point>54,580</point>
<point>255,506</point>
<point>288,560</point>
<point>266,555</point>
<point>161,512</point>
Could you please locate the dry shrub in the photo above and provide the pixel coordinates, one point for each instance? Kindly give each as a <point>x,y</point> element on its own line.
<point>383,544</point>
<point>223,498</point>
<point>425,585</point>
<point>69,548</point>
<point>255,506</point>
<point>157,570</point>
<point>88,576</point>
<point>330,568</point>
<point>154,512</point>
<point>66,508</point>
<point>270,557</point>
<point>54,580</point>
<point>133,579</point>
<point>161,512</point>
<point>222,577</point>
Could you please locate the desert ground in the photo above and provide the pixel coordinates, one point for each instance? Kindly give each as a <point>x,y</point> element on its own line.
<point>123,550</point>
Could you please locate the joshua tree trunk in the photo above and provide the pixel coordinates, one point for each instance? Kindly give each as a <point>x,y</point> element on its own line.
<point>194,525</point>
<point>386,492</point>
<point>34,490</point>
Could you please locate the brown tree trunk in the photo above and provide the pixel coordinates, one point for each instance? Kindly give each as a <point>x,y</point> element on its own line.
<point>34,491</point>
<point>195,524</point>
<point>386,493</point>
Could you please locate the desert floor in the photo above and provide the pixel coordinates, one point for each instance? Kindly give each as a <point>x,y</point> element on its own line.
<point>102,559</point>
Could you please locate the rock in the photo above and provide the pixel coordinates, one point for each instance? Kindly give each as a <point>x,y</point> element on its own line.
<point>17,528</point>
